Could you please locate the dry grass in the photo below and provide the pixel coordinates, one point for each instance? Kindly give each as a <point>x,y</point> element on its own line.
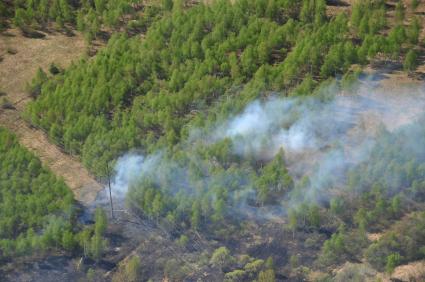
<point>18,69</point>
<point>414,271</point>
<point>30,54</point>
<point>374,236</point>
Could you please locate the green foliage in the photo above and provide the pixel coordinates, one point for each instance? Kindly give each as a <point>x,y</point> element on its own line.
<point>394,163</point>
<point>132,269</point>
<point>91,275</point>
<point>38,13</point>
<point>183,241</point>
<point>269,264</point>
<point>354,272</point>
<point>34,88</point>
<point>196,67</point>
<point>175,270</point>
<point>274,180</point>
<point>129,270</point>
<point>342,246</point>
<point>305,216</point>
<point>98,244</point>
<point>88,16</point>
<point>144,94</point>
<point>403,244</point>
<point>252,268</point>
<point>411,61</point>
<point>100,221</point>
<point>400,11</point>
<point>415,4</point>
<point>4,14</point>
<point>403,168</point>
<point>392,261</point>
<point>313,11</point>
<point>152,96</point>
<point>333,249</point>
<point>21,18</point>
<point>221,257</point>
<point>266,276</point>
<point>368,17</point>
<point>188,73</point>
<point>68,241</point>
<point>235,275</point>
<point>167,4</point>
<point>35,206</point>
<point>294,261</point>
<point>413,31</point>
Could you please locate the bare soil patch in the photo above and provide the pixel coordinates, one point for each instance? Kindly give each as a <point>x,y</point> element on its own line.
<point>17,69</point>
<point>414,271</point>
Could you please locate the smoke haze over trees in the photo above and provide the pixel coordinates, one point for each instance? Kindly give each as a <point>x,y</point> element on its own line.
<point>321,137</point>
<point>245,131</point>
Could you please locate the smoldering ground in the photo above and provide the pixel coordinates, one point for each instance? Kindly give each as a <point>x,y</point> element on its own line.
<point>322,136</point>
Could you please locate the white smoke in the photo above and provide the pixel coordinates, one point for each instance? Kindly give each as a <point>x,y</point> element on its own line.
<point>263,125</point>
<point>129,169</point>
<point>311,125</point>
<point>321,137</point>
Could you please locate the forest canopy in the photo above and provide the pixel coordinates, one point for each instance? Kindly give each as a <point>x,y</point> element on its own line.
<point>193,68</point>
<point>199,65</point>
<point>38,213</point>
<point>35,206</point>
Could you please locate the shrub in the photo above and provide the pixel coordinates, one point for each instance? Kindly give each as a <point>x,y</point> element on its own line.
<point>392,261</point>
<point>254,267</point>
<point>221,257</point>
<point>235,276</point>
<point>266,276</point>
<point>183,240</point>
<point>411,61</point>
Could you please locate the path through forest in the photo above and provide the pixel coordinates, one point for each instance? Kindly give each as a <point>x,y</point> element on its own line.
<point>20,57</point>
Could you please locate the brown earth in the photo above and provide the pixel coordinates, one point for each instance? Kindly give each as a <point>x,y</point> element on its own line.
<point>414,271</point>
<point>20,59</point>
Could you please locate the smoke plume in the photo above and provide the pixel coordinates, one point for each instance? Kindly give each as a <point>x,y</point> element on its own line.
<point>322,136</point>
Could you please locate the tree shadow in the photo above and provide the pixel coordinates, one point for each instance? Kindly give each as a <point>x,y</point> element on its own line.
<point>390,6</point>
<point>103,35</point>
<point>337,3</point>
<point>32,33</point>
<point>387,66</point>
<point>418,75</point>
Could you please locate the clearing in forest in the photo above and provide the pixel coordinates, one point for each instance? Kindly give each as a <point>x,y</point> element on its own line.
<point>20,57</point>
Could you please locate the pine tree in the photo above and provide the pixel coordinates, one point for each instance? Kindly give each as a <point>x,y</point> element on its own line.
<point>415,4</point>
<point>293,222</point>
<point>196,215</point>
<point>413,31</point>
<point>100,221</point>
<point>392,261</point>
<point>266,276</point>
<point>411,61</point>
<point>97,247</point>
<point>20,19</point>
<point>400,11</point>
<point>132,269</point>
